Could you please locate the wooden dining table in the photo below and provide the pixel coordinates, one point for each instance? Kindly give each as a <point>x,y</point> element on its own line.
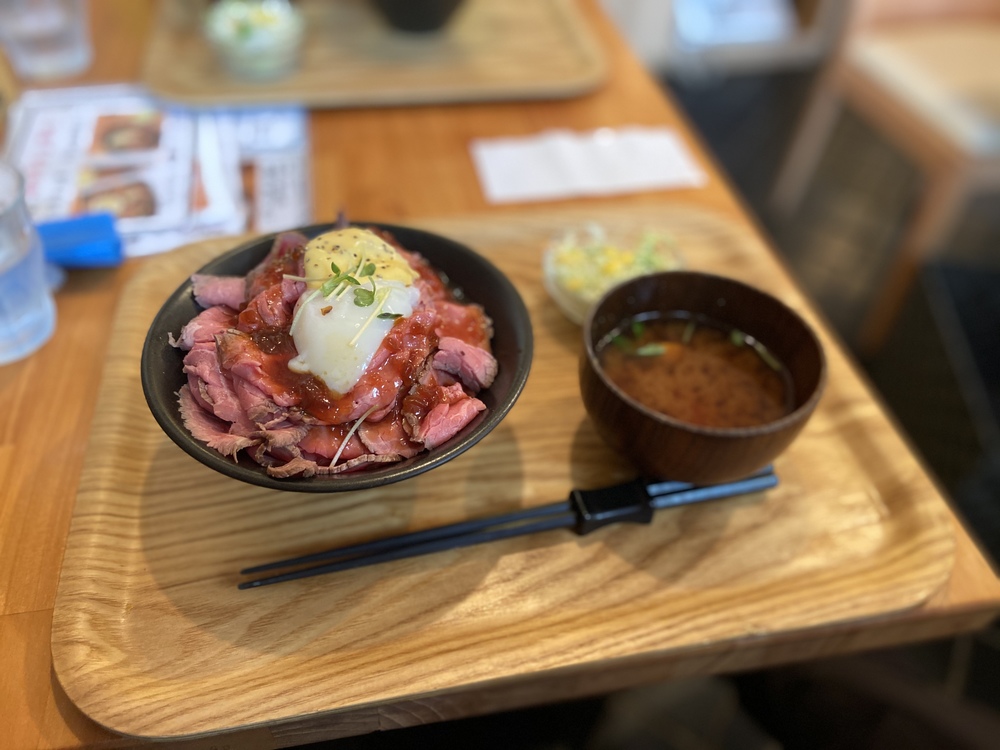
<point>102,646</point>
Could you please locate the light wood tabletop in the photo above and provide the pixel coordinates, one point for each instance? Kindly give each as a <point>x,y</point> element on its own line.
<point>900,567</point>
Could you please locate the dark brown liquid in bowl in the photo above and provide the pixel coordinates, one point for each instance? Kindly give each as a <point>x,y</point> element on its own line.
<point>696,370</point>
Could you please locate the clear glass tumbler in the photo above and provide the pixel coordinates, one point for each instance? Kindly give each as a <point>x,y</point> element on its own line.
<point>27,310</point>
<point>46,38</point>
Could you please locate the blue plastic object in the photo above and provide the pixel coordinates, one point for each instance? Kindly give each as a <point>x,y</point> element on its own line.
<point>86,241</point>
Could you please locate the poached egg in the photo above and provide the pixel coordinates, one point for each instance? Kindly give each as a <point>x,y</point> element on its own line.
<point>357,286</point>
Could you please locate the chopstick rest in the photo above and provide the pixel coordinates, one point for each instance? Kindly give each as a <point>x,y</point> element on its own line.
<point>585,511</point>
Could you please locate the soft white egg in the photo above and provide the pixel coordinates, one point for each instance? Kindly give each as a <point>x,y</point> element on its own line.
<point>338,326</point>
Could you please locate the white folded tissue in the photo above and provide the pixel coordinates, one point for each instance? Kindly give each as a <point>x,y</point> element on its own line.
<point>563,164</point>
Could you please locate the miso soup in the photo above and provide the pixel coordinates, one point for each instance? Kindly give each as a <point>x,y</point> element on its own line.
<point>696,370</point>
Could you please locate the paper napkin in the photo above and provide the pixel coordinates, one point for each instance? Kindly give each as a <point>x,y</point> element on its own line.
<point>564,164</point>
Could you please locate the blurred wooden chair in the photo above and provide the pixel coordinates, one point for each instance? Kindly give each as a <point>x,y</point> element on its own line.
<point>926,73</point>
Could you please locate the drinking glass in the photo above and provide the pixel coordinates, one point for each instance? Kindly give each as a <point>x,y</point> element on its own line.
<point>46,38</point>
<point>27,310</point>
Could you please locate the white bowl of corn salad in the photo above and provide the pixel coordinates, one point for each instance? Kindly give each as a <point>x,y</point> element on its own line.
<point>585,262</point>
<point>256,39</point>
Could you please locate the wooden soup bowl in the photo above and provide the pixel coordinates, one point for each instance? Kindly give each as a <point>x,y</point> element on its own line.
<point>663,447</point>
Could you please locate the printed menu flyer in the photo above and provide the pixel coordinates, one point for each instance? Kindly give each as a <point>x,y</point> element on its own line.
<point>170,175</point>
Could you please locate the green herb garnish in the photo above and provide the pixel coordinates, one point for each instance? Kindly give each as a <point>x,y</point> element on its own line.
<point>765,355</point>
<point>364,297</point>
<point>379,297</point>
<point>651,350</point>
<point>341,281</point>
<point>638,328</point>
<point>331,285</point>
<point>351,280</point>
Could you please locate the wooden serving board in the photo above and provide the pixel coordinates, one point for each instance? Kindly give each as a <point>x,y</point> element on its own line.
<point>151,636</point>
<point>490,50</point>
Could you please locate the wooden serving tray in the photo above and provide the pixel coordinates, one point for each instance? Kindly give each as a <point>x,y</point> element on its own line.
<point>151,637</point>
<point>513,49</point>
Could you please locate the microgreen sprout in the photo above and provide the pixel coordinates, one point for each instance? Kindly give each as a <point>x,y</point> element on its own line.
<point>351,280</point>
<point>350,433</point>
<point>332,284</point>
<point>651,350</point>
<point>765,355</point>
<point>340,282</point>
<point>364,297</point>
<point>379,297</point>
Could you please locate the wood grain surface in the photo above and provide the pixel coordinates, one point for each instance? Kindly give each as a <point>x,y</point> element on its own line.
<point>150,636</point>
<point>515,49</point>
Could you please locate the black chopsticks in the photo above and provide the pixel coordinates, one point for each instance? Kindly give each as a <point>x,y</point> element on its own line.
<point>583,512</point>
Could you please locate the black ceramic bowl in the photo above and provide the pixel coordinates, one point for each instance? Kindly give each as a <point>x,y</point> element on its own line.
<point>478,281</point>
<point>417,15</point>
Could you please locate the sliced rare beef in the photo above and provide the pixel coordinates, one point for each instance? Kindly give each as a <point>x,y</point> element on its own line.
<point>284,436</point>
<point>475,367</point>
<point>446,420</point>
<point>213,386</point>
<point>208,428</point>
<point>263,411</point>
<point>204,327</point>
<point>272,308</point>
<point>388,437</point>
<point>306,468</point>
<point>324,441</point>
<point>241,357</point>
<point>435,409</point>
<point>468,323</point>
<point>416,393</point>
<point>209,291</point>
<point>284,257</point>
